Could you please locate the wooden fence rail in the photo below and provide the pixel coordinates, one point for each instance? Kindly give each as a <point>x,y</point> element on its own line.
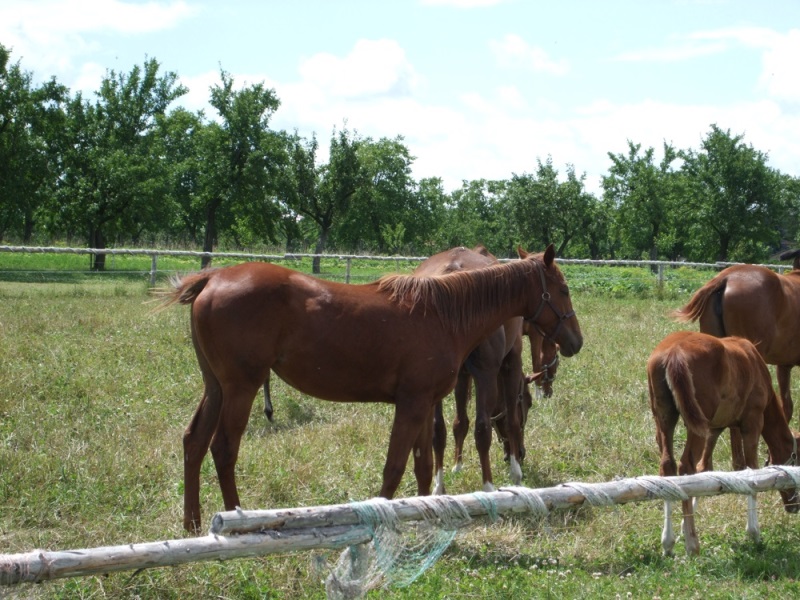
<point>237,534</point>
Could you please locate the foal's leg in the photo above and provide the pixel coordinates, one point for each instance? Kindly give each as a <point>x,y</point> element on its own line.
<point>439,445</point>
<point>238,400</point>
<point>196,439</point>
<point>750,437</point>
<point>688,465</point>
<point>485,397</point>
<point>666,417</point>
<point>461,420</point>
<point>511,373</point>
<point>784,373</point>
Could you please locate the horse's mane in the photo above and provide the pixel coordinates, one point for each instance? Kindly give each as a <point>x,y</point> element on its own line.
<point>459,298</point>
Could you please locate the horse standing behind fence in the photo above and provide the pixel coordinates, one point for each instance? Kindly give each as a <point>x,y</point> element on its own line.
<point>495,366</point>
<point>400,340</point>
<point>714,383</point>
<point>756,303</point>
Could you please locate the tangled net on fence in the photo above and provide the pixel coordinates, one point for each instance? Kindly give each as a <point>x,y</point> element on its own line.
<point>399,552</point>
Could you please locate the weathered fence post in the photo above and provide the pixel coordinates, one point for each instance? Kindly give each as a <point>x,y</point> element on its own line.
<point>153,269</point>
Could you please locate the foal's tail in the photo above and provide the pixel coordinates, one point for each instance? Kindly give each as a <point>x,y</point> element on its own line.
<point>707,298</point>
<point>679,379</point>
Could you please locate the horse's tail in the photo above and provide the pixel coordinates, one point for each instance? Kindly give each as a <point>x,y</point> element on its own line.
<point>708,297</point>
<point>186,289</point>
<point>679,380</point>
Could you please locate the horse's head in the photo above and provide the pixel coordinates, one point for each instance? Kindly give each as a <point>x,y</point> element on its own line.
<point>551,311</point>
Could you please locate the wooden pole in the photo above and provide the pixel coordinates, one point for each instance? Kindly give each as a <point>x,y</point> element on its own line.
<point>239,533</point>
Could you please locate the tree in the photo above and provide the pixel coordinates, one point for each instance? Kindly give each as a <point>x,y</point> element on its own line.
<point>114,183</point>
<point>474,215</point>
<point>546,210</point>
<point>322,193</point>
<point>240,159</point>
<point>644,195</point>
<point>31,122</point>
<point>735,204</point>
<point>380,213</point>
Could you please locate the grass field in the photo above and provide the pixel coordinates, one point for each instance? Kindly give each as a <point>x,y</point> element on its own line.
<point>95,391</point>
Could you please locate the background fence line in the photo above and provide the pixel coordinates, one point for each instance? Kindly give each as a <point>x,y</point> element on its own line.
<point>154,253</point>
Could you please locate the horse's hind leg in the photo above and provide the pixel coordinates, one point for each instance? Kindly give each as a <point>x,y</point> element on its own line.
<point>196,440</point>
<point>238,400</point>
<point>268,410</point>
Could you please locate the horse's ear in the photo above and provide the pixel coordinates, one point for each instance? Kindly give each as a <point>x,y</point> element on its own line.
<point>521,252</point>
<point>549,255</point>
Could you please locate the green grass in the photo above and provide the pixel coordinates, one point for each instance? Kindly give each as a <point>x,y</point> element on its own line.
<point>95,391</point>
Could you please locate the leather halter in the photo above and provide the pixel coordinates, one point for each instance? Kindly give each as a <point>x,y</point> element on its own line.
<point>792,461</point>
<point>546,301</point>
<point>547,377</point>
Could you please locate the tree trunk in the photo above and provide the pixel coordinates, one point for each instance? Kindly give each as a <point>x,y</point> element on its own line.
<point>211,232</point>
<point>322,240</point>
<point>97,240</point>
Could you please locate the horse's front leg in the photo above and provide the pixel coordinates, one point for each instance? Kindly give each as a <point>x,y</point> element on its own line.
<point>439,445</point>
<point>423,456</point>
<point>411,413</point>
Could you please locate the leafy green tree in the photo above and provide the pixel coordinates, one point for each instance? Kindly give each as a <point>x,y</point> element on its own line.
<point>474,215</point>
<point>239,159</point>
<point>734,204</point>
<point>645,196</point>
<point>31,123</point>
<point>323,193</point>
<point>114,184</point>
<point>382,206</point>
<point>546,210</point>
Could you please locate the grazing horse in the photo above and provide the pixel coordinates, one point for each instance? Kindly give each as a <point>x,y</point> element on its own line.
<point>714,383</point>
<point>399,340</point>
<point>495,365</point>
<point>756,303</point>
<point>544,355</point>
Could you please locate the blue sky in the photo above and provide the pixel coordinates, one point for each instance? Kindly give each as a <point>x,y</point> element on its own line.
<point>478,88</point>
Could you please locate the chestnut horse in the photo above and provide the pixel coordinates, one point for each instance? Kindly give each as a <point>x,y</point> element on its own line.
<point>714,383</point>
<point>756,303</point>
<point>399,340</point>
<point>495,365</point>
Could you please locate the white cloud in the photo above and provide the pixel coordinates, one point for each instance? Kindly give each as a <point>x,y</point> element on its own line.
<point>372,68</point>
<point>513,52</point>
<point>48,35</point>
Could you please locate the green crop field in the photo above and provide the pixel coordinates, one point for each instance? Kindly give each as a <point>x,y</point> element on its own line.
<point>96,390</point>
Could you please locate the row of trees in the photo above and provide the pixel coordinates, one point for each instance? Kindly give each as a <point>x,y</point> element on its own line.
<point>131,166</point>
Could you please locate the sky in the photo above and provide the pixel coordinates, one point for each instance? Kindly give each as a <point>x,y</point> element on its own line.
<point>478,89</point>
